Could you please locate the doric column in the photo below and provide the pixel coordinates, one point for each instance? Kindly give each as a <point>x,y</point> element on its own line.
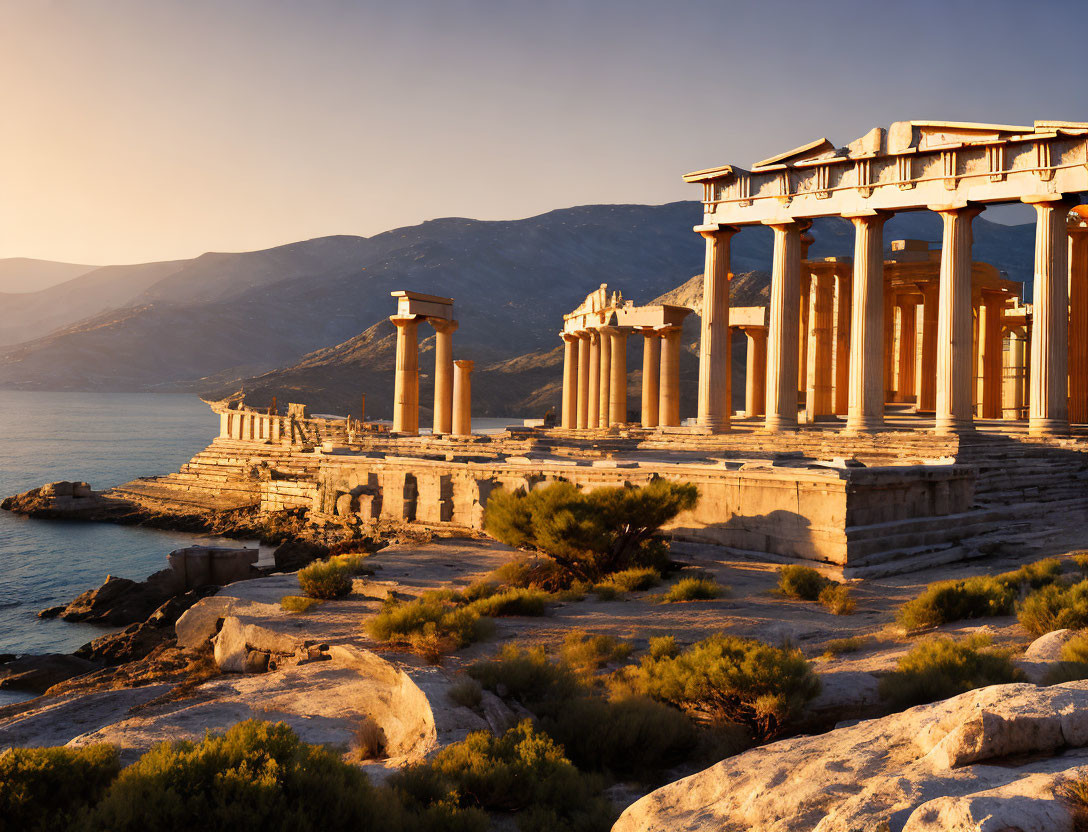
<point>866,411</point>
<point>617,386</point>
<point>804,334</point>
<point>818,400</point>
<point>1015,386</point>
<point>651,377</point>
<point>406,380</point>
<point>669,406</point>
<point>604,377</point>
<point>462,397</point>
<point>755,378</point>
<point>991,327</point>
<point>782,349</point>
<point>583,379</point>
<point>1078,318</point>
<point>955,322</point>
<point>443,374</point>
<point>714,363</point>
<point>569,415</point>
<point>594,376</point>
<point>926,372</point>
<point>907,349</point>
<point>843,294</point>
<point>1048,411</point>
<point>889,345</point>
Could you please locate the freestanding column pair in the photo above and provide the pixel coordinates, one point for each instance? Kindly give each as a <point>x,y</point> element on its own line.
<point>406,378</point>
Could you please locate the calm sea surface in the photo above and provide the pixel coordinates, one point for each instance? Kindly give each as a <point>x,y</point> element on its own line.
<point>105,439</point>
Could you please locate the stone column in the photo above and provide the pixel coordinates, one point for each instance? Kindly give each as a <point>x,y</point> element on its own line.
<point>1048,411</point>
<point>406,380</point>
<point>594,376</point>
<point>569,415</point>
<point>907,353</point>
<point>955,323</point>
<point>926,372</point>
<point>651,377</point>
<point>669,405</point>
<point>991,340</point>
<point>714,363</point>
<point>818,400</point>
<point>604,377</point>
<point>583,379</point>
<point>1015,387</point>
<point>782,349</point>
<point>462,397</point>
<point>804,334</point>
<point>843,294</point>
<point>1078,322</point>
<point>866,411</point>
<point>755,378</point>
<point>443,374</point>
<point>617,385</point>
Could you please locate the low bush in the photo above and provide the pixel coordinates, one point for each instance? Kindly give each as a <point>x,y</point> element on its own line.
<point>1033,575</point>
<point>1055,607</point>
<point>662,647</point>
<point>515,601</point>
<point>635,580</point>
<point>586,654</point>
<point>466,692</point>
<point>354,563</point>
<point>431,623</point>
<point>726,679</point>
<point>535,572</point>
<point>842,646</point>
<point>606,591</point>
<point>590,535</point>
<point>368,740</point>
<point>943,667</point>
<point>946,601</point>
<point>297,603</point>
<point>524,773</point>
<point>479,590</point>
<point>1076,649</point>
<point>802,583</point>
<point>693,589</point>
<point>46,789</point>
<point>1074,793</point>
<point>526,675</point>
<point>1074,663</point>
<point>325,579</point>
<point>1080,558</point>
<point>836,598</point>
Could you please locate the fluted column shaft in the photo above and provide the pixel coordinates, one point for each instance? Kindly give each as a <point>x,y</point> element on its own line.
<point>443,374</point>
<point>755,378</point>
<point>669,406</point>
<point>925,373</point>
<point>1015,386</point>
<point>955,323</point>
<point>907,353</point>
<point>583,380</point>
<point>714,342</point>
<point>406,378</point>
<point>462,397</point>
<point>804,335</point>
<point>594,391</point>
<point>991,327</point>
<point>1048,411</point>
<point>1078,324</point>
<point>818,400</point>
<point>782,348</point>
<point>843,313</point>
<point>617,385</point>
<point>604,377</point>
<point>651,377</point>
<point>569,414</point>
<point>866,410</point>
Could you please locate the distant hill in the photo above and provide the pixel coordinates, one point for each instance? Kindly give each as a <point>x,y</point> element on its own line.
<point>23,274</point>
<point>307,321</point>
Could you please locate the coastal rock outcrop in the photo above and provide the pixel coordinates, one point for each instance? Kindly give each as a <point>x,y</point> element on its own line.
<point>37,674</point>
<point>995,759</point>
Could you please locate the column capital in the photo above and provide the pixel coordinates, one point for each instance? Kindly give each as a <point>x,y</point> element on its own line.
<point>715,229</point>
<point>464,363</point>
<point>870,216</point>
<point>963,208</point>
<point>668,330</point>
<point>1055,200</point>
<point>571,337</point>
<point>649,331</point>
<point>753,330</point>
<point>789,223</point>
<point>614,330</point>
<point>443,324</point>
<point>404,320</point>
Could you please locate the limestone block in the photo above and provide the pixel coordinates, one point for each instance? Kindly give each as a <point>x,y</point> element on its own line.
<point>198,623</point>
<point>230,646</point>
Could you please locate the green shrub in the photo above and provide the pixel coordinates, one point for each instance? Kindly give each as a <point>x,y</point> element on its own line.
<point>431,622</point>
<point>693,589</point>
<point>1055,607</point>
<point>837,599</point>
<point>325,579</point>
<point>1033,575</point>
<point>526,675</point>
<point>46,789</point>
<point>635,580</point>
<point>727,679</point>
<point>590,535</point>
<point>1076,649</point>
<point>354,563</point>
<point>942,667</point>
<point>479,590</point>
<point>511,602</point>
<point>606,591</point>
<point>947,601</point>
<point>662,647</point>
<point>842,646</point>
<point>297,603</point>
<point>535,572</point>
<point>1074,663</point>
<point>801,582</point>
<point>466,692</point>
<point>1080,558</point>
<point>523,773</point>
<point>257,777</point>
<point>586,654</point>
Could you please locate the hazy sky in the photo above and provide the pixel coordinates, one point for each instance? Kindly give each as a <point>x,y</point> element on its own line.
<point>152,129</point>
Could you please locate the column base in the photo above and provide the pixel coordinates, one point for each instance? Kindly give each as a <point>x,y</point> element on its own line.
<point>713,424</point>
<point>865,424</point>
<point>779,424</point>
<point>1048,427</point>
<point>947,426</point>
